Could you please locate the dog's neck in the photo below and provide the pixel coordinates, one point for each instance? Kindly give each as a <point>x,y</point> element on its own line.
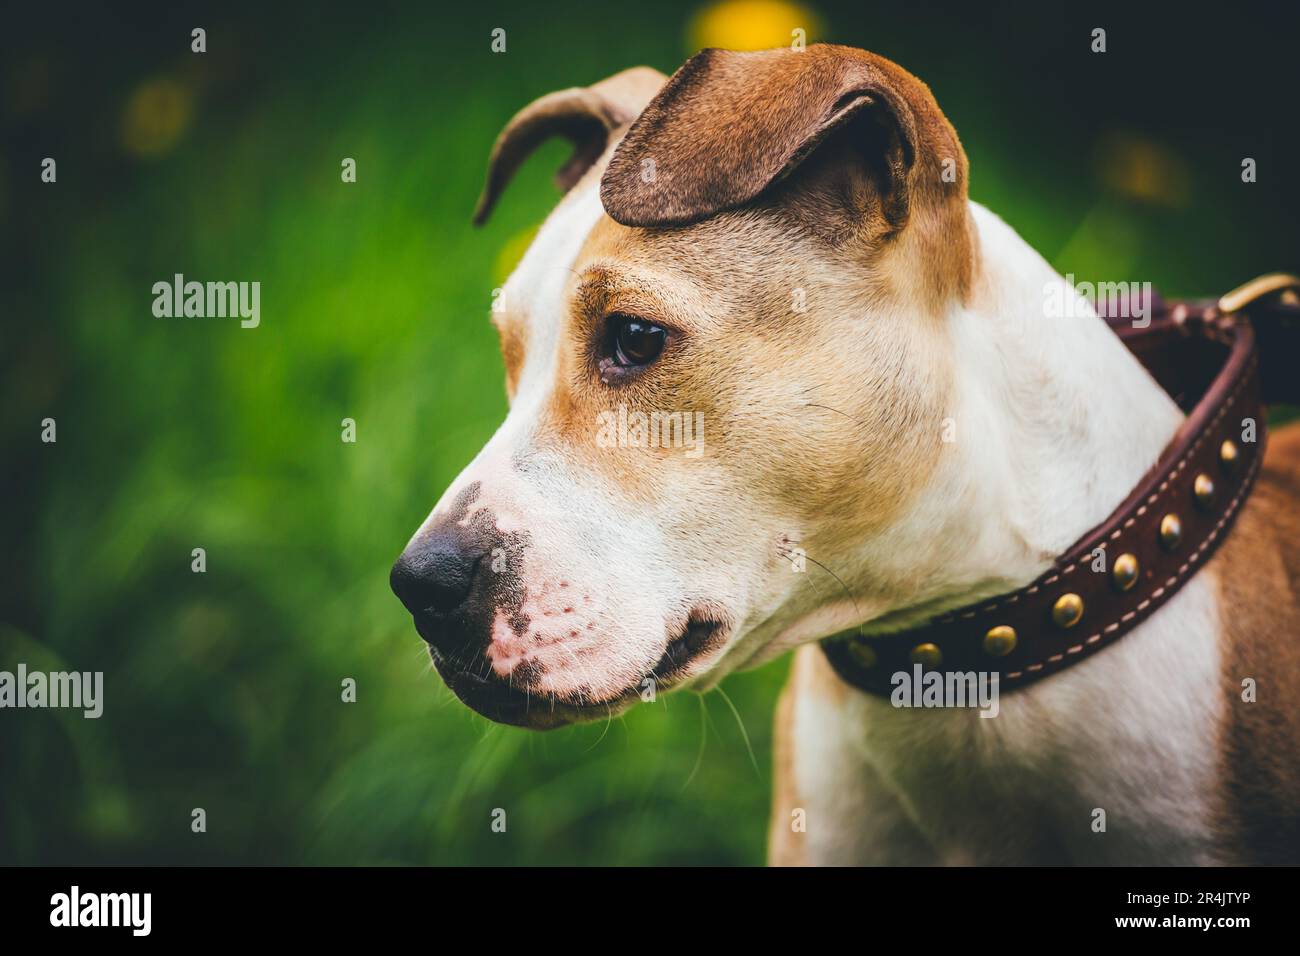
<point>1052,423</point>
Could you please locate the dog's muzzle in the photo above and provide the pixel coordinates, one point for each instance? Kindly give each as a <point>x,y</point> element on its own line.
<point>443,580</point>
<point>436,577</point>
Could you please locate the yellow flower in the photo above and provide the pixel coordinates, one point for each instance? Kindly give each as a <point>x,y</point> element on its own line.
<point>155,116</point>
<point>753,25</point>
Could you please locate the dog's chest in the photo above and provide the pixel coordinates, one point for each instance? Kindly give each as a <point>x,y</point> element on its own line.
<point>1114,760</point>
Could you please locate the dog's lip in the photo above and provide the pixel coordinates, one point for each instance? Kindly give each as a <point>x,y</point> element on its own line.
<point>505,704</point>
<point>500,701</point>
<point>425,623</point>
<point>700,636</point>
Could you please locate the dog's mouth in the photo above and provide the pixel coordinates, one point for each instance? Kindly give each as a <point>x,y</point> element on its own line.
<point>502,701</point>
<point>700,637</point>
<point>507,704</point>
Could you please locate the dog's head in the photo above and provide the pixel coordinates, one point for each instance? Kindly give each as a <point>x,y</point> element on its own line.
<point>724,358</point>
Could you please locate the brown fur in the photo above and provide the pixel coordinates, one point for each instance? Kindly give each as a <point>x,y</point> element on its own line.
<point>729,126</point>
<point>765,378</point>
<point>784,846</point>
<point>1256,571</point>
<point>811,677</point>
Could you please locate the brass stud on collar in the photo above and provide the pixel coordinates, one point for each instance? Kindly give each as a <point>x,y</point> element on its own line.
<point>1000,641</point>
<point>1228,455</point>
<point>1203,488</point>
<point>1171,531</point>
<point>1124,573</point>
<point>1067,610</point>
<point>863,654</point>
<point>927,655</point>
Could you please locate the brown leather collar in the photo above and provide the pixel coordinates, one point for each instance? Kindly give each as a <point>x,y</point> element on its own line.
<point>1206,356</point>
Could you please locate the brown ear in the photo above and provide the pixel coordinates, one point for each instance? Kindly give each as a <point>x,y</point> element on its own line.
<point>729,125</point>
<point>583,115</point>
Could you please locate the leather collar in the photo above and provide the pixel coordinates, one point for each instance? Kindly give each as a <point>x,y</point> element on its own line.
<point>1208,358</point>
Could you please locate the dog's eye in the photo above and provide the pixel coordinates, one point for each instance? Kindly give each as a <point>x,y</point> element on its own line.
<point>634,342</point>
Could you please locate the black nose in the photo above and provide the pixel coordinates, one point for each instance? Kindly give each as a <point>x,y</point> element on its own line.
<point>435,573</point>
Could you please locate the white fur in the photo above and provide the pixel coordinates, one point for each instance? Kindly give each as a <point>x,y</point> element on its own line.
<point>1055,425</point>
<point>578,595</point>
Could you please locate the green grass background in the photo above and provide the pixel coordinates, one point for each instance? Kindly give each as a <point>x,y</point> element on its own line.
<point>223,689</point>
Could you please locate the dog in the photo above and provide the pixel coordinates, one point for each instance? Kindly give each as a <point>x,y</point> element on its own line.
<point>781,242</point>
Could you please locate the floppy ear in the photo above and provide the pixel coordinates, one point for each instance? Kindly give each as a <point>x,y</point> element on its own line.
<point>584,115</point>
<point>729,125</point>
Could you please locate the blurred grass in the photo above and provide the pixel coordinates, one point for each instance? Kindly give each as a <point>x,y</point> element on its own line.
<point>223,689</point>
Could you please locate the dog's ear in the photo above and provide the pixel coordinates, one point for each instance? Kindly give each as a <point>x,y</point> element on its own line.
<point>729,125</point>
<point>586,116</point>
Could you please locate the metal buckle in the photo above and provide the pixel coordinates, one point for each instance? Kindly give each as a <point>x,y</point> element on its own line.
<point>1258,288</point>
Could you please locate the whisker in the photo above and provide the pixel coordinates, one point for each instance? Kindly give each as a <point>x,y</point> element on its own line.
<point>837,412</point>
<point>699,757</point>
<point>741,724</point>
<point>837,578</point>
